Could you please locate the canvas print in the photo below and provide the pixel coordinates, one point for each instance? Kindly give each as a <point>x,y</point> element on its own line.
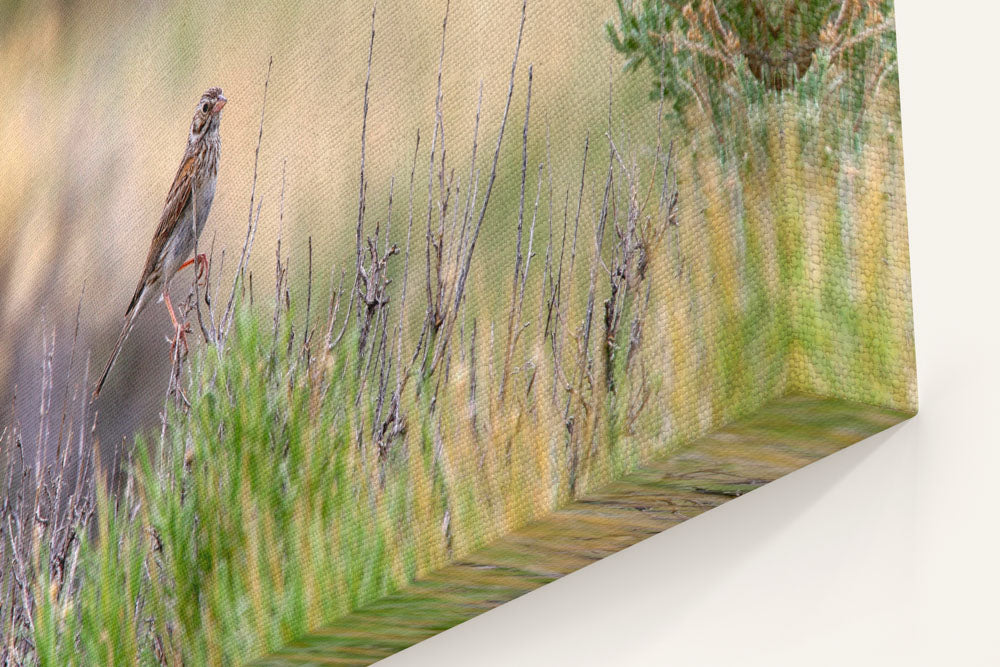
<point>325,327</point>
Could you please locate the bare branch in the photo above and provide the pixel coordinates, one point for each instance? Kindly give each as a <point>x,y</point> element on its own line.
<point>464,273</point>
<point>227,318</point>
<point>362,189</point>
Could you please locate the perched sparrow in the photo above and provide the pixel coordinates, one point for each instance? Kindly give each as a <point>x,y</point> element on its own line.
<point>176,234</point>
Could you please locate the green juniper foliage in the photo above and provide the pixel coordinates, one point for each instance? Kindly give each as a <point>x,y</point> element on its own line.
<point>712,51</point>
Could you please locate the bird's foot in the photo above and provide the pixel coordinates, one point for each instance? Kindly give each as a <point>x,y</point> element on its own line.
<point>202,266</point>
<point>202,261</point>
<point>180,337</point>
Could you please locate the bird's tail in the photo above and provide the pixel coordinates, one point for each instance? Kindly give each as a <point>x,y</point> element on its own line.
<point>126,329</point>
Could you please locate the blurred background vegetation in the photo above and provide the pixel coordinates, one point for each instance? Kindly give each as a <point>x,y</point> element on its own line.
<point>804,95</point>
<point>97,104</point>
<point>786,270</point>
<point>98,101</point>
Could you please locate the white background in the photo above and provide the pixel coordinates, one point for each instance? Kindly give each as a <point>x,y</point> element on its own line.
<point>887,553</point>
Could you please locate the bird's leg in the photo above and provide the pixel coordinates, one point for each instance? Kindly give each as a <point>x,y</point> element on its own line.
<point>180,329</point>
<point>202,261</point>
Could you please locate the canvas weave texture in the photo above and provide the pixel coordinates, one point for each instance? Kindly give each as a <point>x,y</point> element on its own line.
<point>442,302</point>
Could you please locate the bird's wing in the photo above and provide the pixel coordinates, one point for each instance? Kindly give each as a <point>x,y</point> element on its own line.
<point>177,199</point>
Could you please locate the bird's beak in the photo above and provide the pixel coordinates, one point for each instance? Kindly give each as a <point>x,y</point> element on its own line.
<point>218,105</point>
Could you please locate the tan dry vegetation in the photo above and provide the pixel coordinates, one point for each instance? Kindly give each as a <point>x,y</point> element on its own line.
<point>755,291</point>
<point>97,103</point>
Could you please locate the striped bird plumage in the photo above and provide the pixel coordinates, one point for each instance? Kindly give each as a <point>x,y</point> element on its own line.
<point>183,216</point>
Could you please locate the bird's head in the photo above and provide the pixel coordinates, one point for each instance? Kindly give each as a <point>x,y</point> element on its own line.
<point>207,114</point>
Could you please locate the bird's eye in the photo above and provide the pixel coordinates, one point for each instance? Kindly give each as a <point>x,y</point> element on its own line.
<point>204,107</point>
